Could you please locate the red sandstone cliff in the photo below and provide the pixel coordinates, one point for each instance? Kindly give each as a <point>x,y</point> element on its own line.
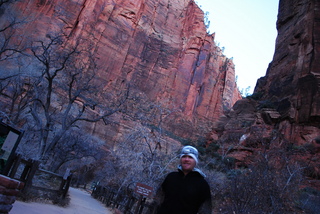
<point>283,114</point>
<point>160,48</point>
<point>292,80</point>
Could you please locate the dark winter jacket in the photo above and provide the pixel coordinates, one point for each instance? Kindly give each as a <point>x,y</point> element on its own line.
<point>185,194</point>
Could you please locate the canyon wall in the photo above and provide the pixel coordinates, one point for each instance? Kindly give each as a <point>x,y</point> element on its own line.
<point>292,80</point>
<point>160,48</point>
<point>282,117</point>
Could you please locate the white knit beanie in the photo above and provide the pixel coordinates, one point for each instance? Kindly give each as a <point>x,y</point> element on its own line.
<point>191,151</point>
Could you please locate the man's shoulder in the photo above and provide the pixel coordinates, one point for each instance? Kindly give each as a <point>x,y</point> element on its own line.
<point>174,173</point>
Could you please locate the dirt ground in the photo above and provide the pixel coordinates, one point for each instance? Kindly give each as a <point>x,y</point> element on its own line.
<point>81,203</point>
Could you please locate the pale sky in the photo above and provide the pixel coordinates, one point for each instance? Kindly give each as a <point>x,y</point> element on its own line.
<point>247,31</point>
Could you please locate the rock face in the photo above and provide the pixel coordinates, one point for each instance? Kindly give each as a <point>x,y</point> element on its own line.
<point>283,114</point>
<point>161,48</point>
<point>292,81</point>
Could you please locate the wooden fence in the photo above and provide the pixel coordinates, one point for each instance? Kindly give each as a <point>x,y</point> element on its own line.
<point>128,202</point>
<point>42,183</point>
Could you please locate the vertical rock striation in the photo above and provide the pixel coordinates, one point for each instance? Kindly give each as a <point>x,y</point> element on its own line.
<point>292,81</point>
<point>159,47</point>
<point>283,114</point>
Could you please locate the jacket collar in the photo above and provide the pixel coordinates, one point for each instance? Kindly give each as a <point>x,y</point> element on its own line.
<point>194,170</point>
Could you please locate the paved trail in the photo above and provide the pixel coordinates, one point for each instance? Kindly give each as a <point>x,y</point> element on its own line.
<point>81,203</point>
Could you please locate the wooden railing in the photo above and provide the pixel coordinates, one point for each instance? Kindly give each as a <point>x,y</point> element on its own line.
<point>127,202</point>
<point>37,180</point>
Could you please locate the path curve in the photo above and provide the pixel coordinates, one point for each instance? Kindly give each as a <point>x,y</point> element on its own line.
<point>81,203</point>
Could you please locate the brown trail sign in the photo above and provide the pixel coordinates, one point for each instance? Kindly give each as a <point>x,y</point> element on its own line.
<point>142,190</point>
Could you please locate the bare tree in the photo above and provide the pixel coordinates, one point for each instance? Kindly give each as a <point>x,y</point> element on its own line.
<point>269,185</point>
<point>64,91</point>
<point>10,41</point>
<point>16,92</point>
<point>58,94</point>
<point>12,85</point>
<point>77,149</point>
<point>140,160</point>
<point>143,155</point>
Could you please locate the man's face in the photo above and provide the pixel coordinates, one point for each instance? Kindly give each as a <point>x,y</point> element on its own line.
<point>187,163</point>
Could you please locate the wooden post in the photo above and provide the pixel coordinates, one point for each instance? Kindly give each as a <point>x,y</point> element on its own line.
<point>138,205</point>
<point>32,172</point>
<point>66,189</point>
<point>62,184</point>
<point>24,174</point>
<point>142,190</point>
<point>129,204</point>
<point>14,166</point>
<point>9,164</point>
<point>143,202</point>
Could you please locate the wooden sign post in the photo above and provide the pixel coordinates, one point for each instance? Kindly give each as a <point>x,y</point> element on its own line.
<point>142,190</point>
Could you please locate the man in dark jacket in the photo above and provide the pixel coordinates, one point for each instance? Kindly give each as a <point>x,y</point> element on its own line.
<point>185,191</point>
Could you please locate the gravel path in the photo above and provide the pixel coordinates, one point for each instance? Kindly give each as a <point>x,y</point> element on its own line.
<point>81,203</point>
